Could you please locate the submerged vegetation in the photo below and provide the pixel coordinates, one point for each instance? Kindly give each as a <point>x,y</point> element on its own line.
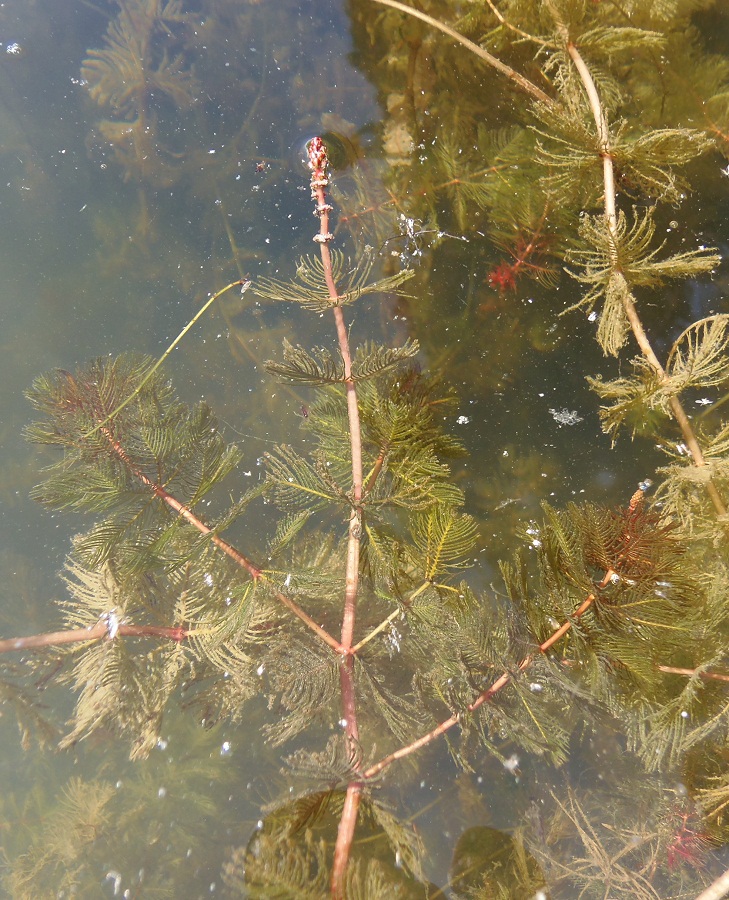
<point>332,606</point>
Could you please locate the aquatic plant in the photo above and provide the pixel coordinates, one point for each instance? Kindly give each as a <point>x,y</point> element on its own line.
<point>127,73</point>
<point>354,613</point>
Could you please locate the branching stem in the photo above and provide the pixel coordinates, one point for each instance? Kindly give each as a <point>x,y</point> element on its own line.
<point>189,516</point>
<point>395,614</point>
<point>484,697</point>
<point>522,34</point>
<point>506,678</point>
<point>611,218</point>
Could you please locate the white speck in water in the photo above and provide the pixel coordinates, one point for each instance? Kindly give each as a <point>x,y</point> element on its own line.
<point>162,792</point>
<point>343,723</point>
<point>463,420</point>
<point>225,748</point>
<point>592,317</point>
<point>112,623</point>
<point>261,669</point>
<point>565,416</point>
<point>704,401</point>
<point>208,579</point>
<point>533,532</point>
<point>512,763</point>
<point>161,744</point>
<point>392,640</point>
<point>684,714</point>
<point>536,687</point>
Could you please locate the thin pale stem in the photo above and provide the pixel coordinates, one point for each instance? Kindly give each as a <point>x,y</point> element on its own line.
<point>395,614</point>
<point>493,61</point>
<point>631,312</point>
<point>524,34</point>
<point>717,890</point>
<point>244,285</point>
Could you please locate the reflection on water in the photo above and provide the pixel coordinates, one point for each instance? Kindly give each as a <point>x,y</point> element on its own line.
<point>149,156</point>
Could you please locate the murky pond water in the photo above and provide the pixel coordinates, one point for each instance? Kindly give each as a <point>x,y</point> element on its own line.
<point>151,154</point>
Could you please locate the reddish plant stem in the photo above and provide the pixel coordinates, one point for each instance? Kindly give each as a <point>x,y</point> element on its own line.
<point>506,677</point>
<point>221,544</point>
<point>376,469</point>
<point>500,683</point>
<point>318,163</point>
<point>707,676</point>
<point>505,274</point>
<point>95,633</point>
